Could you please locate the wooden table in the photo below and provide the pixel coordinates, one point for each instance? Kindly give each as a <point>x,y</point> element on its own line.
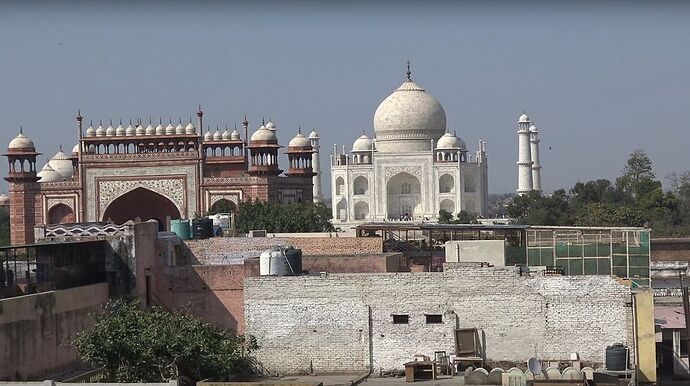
<point>418,370</point>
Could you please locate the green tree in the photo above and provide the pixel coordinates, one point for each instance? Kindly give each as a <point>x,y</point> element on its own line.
<point>301,217</point>
<point>445,217</point>
<point>153,346</point>
<point>638,178</point>
<point>464,217</point>
<point>4,227</point>
<point>535,209</point>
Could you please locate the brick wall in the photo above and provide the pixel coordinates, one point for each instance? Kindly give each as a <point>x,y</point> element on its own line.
<point>334,322</point>
<point>337,245</point>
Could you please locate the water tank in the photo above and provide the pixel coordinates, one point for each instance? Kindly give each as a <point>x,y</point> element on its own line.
<point>202,228</point>
<point>617,357</point>
<point>281,262</point>
<point>181,228</point>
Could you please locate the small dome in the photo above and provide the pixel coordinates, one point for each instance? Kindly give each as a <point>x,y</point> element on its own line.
<point>314,135</point>
<point>75,149</point>
<point>170,129</point>
<point>533,129</point>
<point>160,130</point>
<point>130,130</point>
<point>217,136</point>
<point>110,131</point>
<point>226,135</point>
<point>208,136</point>
<point>4,200</point>
<point>235,136</point>
<point>448,142</point>
<point>100,132</point>
<point>150,130</point>
<point>363,143</point>
<point>90,132</point>
<point>140,130</point>
<point>47,174</point>
<point>120,131</point>
<point>299,141</point>
<point>61,164</point>
<point>190,129</point>
<point>264,134</point>
<point>21,142</point>
<point>179,130</point>
<point>523,118</point>
<point>271,126</point>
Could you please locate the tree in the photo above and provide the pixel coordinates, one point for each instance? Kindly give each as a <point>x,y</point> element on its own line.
<point>535,209</point>
<point>464,217</point>
<point>153,346</point>
<point>305,217</point>
<point>638,178</point>
<point>4,227</point>
<point>445,217</point>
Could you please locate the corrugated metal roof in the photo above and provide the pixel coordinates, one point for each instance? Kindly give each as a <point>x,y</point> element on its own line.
<point>669,317</point>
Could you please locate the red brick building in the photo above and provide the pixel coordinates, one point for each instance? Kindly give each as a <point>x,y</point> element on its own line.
<point>153,172</point>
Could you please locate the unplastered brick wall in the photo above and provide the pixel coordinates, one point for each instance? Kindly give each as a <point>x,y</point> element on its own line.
<point>330,246</point>
<point>335,323</point>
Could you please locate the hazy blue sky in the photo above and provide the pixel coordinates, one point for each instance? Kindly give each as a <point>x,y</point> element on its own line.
<point>598,80</point>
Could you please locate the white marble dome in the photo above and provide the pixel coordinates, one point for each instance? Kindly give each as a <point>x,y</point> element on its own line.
<point>208,136</point>
<point>150,130</point>
<point>75,149</point>
<point>523,118</point>
<point>190,129</point>
<point>226,135</point>
<point>21,142</point>
<point>100,131</point>
<point>408,120</point>
<point>264,134</point>
<point>363,143</point>
<point>47,174</point>
<point>314,135</point>
<point>160,130</point>
<point>450,141</point>
<point>179,129</point>
<point>90,132</point>
<point>120,131</point>
<point>217,136</point>
<point>299,141</point>
<point>170,129</point>
<point>235,135</point>
<point>130,130</point>
<point>533,129</point>
<point>140,130</point>
<point>61,164</point>
<point>110,131</point>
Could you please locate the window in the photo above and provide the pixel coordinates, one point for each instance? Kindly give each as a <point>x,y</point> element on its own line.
<point>401,319</point>
<point>434,319</point>
<point>405,188</point>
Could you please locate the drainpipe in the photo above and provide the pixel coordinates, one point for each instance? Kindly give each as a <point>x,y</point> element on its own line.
<point>634,312</point>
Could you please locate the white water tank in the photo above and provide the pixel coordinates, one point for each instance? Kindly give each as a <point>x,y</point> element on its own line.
<point>280,262</point>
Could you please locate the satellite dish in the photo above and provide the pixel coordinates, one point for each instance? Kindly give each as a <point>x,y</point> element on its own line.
<point>534,365</point>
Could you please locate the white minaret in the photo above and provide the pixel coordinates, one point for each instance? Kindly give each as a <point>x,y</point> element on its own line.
<point>534,150</point>
<point>524,157</point>
<point>316,180</point>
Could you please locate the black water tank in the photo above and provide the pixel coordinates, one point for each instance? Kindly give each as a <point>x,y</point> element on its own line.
<point>617,357</point>
<point>294,259</point>
<point>202,228</point>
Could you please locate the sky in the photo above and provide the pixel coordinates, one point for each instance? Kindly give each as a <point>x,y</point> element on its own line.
<point>599,79</point>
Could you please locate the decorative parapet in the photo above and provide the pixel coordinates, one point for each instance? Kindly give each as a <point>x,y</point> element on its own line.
<point>60,185</point>
<point>140,156</point>
<point>82,231</point>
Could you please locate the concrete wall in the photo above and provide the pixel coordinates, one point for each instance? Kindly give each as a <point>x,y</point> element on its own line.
<point>487,251</point>
<point>670,249</point>
<point>36,330</point>
<point>343,322</point>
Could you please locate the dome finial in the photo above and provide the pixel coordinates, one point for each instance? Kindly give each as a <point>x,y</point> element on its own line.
<point>299,129</point>
<point>409,72</point>
<point>21,129</point>
<point>60,147</point>
<point>245,122</point>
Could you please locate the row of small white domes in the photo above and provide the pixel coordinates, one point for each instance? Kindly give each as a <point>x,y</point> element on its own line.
<point>225,136</point>
<point>268,133</point>
<point>447,141</point>
<point>121,131</point>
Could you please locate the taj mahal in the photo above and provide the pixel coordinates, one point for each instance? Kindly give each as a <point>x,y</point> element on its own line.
<point>412,168</point>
